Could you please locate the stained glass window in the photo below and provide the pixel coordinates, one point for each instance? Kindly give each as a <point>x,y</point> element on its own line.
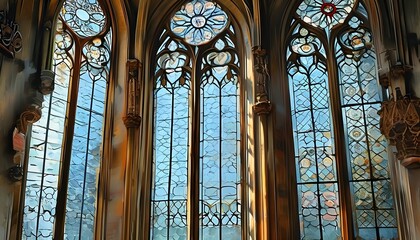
<point>315,89</point>
<point>81,61</point>
<point>196,96</point>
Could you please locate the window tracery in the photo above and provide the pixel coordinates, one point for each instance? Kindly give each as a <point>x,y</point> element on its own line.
<point>196,96</point>
<point>320,78</point>
<point>67,141</point>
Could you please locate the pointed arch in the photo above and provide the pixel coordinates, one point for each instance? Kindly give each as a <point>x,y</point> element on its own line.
<point>67,146</point>
<point>341,158</point>
<point>212,64</point>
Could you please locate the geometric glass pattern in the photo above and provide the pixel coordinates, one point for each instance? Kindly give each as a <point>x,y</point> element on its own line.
<point>199,21</point>
<point>367,155</point>
<point>359,96</point>
<point>81,69</point>
<point>196,93</point>
<point>314,139</point>
<point>170,143</point>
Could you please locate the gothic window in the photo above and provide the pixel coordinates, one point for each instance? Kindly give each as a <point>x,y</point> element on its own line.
<point>341,157</point>
<point>66,144</point>
<point>196,137</point>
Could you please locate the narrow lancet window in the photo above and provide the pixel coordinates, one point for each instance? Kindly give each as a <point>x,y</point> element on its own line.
<point>196,96</point>
<point>69,136</point>
<point>335,99</point>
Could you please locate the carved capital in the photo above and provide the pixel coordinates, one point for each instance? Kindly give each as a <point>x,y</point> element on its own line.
<point>10,37</point>
<point>395,77</point>
<point>262,108</point>
<point>263,104</point>
<point>400,123</point>
<point>260,55</point>
<point>46,84</point>
<point>132,120</point>
<point>30,115</point>
<point>398,71</point>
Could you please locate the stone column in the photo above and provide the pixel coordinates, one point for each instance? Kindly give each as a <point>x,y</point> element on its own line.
<point>132,121</point>
<point>265,204</point>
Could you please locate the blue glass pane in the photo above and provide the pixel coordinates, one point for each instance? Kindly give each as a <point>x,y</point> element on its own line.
<point>220,200</point>
<point>85,17</point>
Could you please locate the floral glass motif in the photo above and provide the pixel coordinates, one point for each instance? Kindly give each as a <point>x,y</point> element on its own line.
<point>199,21</point>
<point>45,155</point>
<point>217,124</point>
<point>85,17</point>
<point>324,14</point>
<point>360,97</point>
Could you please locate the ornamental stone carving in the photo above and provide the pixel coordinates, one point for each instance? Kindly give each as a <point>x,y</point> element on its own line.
<point>400,123</point>
<point>10,37</point>
<point>132,119</point>
<point>263,105</point>
<point>46,85</point>
<point>29,116</point>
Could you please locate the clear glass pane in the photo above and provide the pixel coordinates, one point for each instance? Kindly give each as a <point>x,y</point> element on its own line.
<point>170,143</point>
<point>220,201</point>
<point>46,147</point>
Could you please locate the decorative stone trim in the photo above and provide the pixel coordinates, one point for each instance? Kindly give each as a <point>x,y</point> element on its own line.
<point>133,119</point>
<point>400,123</point>
<point>30,115</point>
<point>263,105</point>
<point>10,37</point>
<point>395,73</point>
<point>46,85</point>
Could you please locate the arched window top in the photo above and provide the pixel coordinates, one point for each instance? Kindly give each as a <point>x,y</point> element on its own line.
<point>196,124</point>
<point>85,17</point>
<point>67,143</point>
<point>335,98</point>
<point>199,21</point>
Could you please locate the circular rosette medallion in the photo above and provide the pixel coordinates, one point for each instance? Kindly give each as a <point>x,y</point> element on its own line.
<point>199,21</point>
<point>326,13</point>
<point>85,17</point>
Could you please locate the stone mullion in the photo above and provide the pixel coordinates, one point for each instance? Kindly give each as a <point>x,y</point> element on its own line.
<point>132,121</point>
